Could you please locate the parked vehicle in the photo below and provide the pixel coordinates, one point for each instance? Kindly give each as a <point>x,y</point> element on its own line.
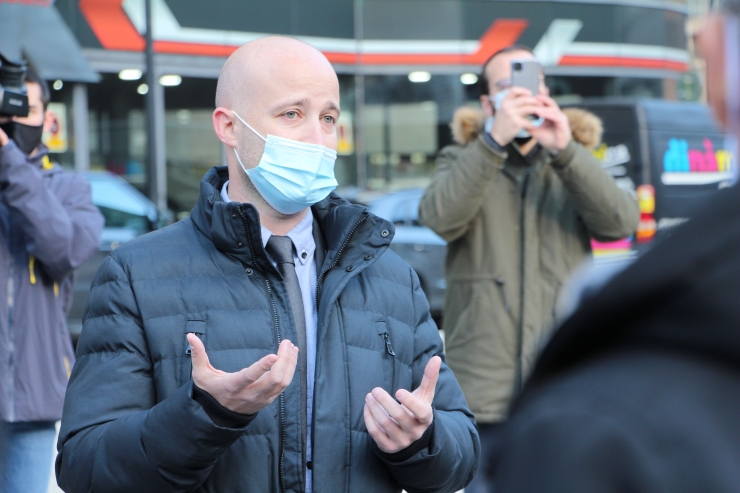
<point>417,245</point>
<point>671,153</point>
<point>128,214</point>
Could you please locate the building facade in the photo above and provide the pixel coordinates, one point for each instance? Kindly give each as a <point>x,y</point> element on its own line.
<point>404,66</point>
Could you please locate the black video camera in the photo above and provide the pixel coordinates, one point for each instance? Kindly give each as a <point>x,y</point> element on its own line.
<point>13,95</point>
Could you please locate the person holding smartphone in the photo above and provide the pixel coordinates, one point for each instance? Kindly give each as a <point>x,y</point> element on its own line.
<point>518,206</point>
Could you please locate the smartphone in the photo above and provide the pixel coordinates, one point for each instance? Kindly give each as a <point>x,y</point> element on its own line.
<point>526,73</point>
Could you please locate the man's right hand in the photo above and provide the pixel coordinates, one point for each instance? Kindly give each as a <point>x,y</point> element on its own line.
<point>511,117</point>
<point>249,390</point>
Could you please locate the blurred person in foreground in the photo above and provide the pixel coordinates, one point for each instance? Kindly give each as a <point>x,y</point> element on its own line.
<point>518,206</point>
<point>187,379</point>
<point>638,390</point>
<point>48,227</point>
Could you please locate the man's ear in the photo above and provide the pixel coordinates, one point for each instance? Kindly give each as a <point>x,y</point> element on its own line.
<point>224,126</point>
<point>49,119</point>
<point>487,105</point>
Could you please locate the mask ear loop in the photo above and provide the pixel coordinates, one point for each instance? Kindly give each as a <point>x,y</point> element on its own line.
<point>248,126</point>
<point>732,89</point>
<point>253,130</point>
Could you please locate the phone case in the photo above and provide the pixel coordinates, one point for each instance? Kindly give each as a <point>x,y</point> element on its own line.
<point>526,73</point>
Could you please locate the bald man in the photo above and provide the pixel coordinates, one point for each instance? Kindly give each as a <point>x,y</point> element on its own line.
<point>271,341</point>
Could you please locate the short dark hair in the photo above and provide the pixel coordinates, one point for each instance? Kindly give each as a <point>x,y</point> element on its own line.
<point>33,78</point>
<point>483,78</point>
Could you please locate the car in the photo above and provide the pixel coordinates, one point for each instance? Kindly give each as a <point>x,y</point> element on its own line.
<point>128,214</point>
<point>417,245</point>
<point>671,154</point>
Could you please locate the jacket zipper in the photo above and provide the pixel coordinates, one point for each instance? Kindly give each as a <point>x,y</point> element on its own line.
<point>11,344</point>
<point>276,321</point>
<point>336,258</point>
<point>388,346</point>
<point>522,238</point>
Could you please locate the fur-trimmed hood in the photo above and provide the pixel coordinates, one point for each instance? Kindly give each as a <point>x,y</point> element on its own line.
<point>586,128</point>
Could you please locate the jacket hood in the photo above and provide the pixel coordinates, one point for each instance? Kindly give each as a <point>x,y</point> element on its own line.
<point>586,128</point>
<point>679,297</point>
<point>467,124</point>
<point>229,225</point>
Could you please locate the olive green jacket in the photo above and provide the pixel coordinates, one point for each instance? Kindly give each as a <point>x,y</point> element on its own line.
<point>515,232</point>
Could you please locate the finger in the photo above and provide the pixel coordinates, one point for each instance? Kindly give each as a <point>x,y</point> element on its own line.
<point>389,427</point>
<point>284,354</point>
<point>395,410</point>
<point>522,101</point>
<point>198,354</point>
<point>518,91</point>
<point>380,437</point>
<point>523,111</point>
<point>549,114</point>
<point>547,101</point>
<point>272,383</point>
<point>291,366</point>
<point>420,410</point>
<point>429,380</point>
<point>256,370</point>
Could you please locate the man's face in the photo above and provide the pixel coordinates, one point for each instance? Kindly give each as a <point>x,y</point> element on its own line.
<point>36,114</point>
<point>710,42</point>
<point>297,100</point>
<point>498,73</point>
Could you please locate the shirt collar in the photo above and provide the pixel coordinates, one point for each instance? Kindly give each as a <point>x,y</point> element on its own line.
<point>301,235</point>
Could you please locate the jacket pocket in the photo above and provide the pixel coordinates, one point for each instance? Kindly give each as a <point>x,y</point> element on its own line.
<point>197,327</point>
<point>501,283</point>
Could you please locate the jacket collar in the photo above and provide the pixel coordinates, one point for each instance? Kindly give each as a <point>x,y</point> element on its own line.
<point>41,160</point>
<point>234,228</point>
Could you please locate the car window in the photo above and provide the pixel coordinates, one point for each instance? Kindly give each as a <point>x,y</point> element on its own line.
<point>121,205</point>
<point>115,218</point>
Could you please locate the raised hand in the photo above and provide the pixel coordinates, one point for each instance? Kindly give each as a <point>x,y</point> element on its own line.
<point>554,133</point>
<point>248,390</point>
<point>511,117</point>
<point>396,425</point>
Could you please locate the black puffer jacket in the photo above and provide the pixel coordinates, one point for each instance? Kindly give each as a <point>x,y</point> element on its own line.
<point>638,390</point>
<point>130,422</point>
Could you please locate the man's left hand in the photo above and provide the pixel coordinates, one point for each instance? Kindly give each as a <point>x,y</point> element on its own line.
<point>3,138</point>
<point>396,425</point>
<point>554,134</point>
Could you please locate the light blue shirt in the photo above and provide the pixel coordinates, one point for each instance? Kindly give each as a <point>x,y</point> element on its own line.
<point>305,269</point>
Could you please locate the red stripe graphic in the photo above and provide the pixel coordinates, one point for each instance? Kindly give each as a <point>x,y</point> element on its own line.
<point>612,61</point>
<point>115,31</point>
<point>111,25</point>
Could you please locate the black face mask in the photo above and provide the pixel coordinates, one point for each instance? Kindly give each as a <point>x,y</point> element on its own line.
<point>522,140</point>
<point>26,137</point>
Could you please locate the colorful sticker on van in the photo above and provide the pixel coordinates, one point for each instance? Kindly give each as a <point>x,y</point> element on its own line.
<point>684,166</point>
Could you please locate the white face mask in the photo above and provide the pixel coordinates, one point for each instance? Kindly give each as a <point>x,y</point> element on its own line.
<point>291,175</point>
<point>496,100</point>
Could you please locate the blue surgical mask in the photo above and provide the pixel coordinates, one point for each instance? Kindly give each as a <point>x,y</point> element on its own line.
<point>292,175</point>
<point>497,99</point>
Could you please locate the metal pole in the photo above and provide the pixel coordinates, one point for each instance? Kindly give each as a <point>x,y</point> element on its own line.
<point>81,127</point>
<point>360,99</point>
<point>151,108</point>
